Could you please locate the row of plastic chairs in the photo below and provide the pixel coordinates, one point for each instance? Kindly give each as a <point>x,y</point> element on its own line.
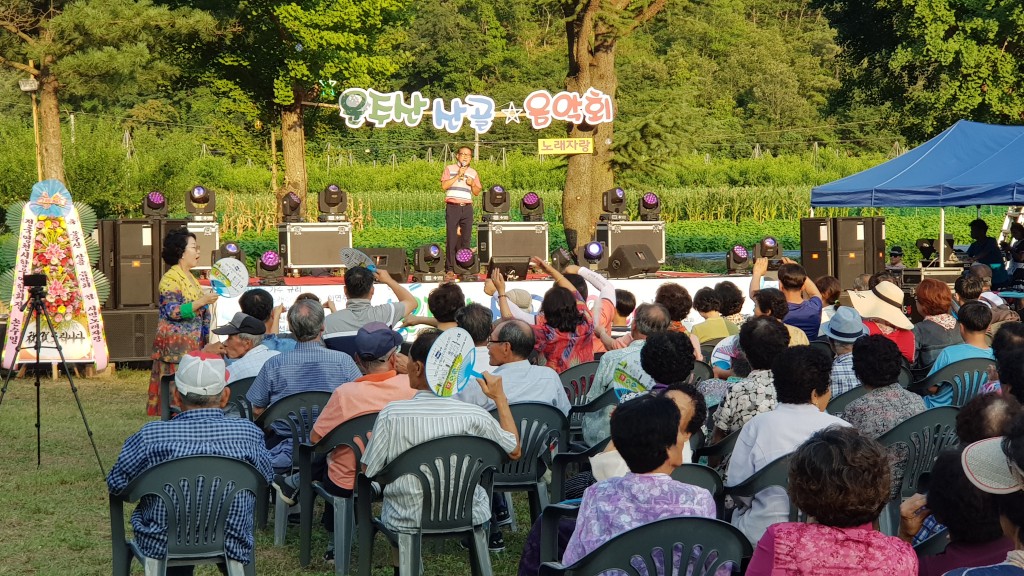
<point>963,380</point>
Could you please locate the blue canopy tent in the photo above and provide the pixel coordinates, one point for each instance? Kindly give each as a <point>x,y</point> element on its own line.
<point>967,164</point>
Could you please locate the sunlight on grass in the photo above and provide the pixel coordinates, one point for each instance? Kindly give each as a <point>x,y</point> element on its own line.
<point>54,519</point>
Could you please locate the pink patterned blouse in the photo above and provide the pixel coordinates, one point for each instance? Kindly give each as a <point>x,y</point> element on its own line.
<point>794,549</point>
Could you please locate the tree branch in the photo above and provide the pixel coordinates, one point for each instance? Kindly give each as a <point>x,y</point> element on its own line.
<point>18,66</point>
<point>647,14</point>
<point>14,29</point>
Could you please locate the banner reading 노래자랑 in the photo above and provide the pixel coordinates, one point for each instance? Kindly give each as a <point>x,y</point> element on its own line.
<point>51,243</point>
<point>552,146</point>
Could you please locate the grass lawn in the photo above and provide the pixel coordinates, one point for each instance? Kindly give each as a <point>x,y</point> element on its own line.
<point>54,518</point>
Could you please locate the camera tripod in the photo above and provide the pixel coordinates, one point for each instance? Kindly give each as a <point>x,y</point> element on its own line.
<point>36,305</point>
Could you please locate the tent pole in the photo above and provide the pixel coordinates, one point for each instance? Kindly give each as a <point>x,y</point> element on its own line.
<point>812,211</point>
<point>942,236</point>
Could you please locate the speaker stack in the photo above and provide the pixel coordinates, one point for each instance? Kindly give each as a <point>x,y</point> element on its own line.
<point>842,247</point>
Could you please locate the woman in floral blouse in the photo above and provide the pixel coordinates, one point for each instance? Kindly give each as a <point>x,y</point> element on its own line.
<point>184,323</point>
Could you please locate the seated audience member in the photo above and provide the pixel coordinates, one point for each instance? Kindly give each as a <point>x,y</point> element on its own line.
<point>564,330</point>
<point>625,303</point>
<point>244,345</point>
<point>376,353</point>
<point>309,367</point>
<point>973,319</point>
<point>967,288</point>
<point>715,389</point>
<point>1011,374</point>
<point>732,302</point>
<point>259,304</point>
<point>1001,314</point>
<point>443,302</point>
<point>860,283</point>
<point>770,303</point>
<point>762,340</point>
<point>476,320</point>
<point>404,424</point>
<point>883,276</point>
<point>310,296</point>
<point>677,301</point>
<point>876,362</point>
<point>834,478</point>
<point>621,370</point>
<point>358,310</point>
<point>938,329</point>
<point>714,326</point>
<point>804,314</point>
<point>801,381</point>
<point>649,435</point>
<point>985,250</point>
<point>510,343</point>
<point>994,466</point>
<point>1011,337</point>
<point>830,290</point>
<point>986,416</point>
<point>882,310</point>
<point>201,429</point>
<point>842,331</point>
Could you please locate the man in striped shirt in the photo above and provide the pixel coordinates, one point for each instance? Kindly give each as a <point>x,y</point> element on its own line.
<point>460,183</point>
<point>404,424</point>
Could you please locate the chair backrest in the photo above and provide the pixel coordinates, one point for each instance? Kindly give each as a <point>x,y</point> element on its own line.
<point>824,347</point>
<point>837,405</point>
<point>935,544</point>
<point>776,473</point>
<point>700,475</point>
<point>708,346</point>
<point>961,380</point>
<point>197,492</point>
<point>539,425</point>
<point>701,371</point>
<point>239,388</point>
<point>577,381</point>
<point>722,448</point>
<point>925,435</point>
<point>448,470</point>
<point>354,433</point>
<point>667,546</point>
<point>906,377</point>
<point>296,412</point>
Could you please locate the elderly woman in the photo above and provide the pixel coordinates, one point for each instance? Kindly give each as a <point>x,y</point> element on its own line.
<point>938,329</point>
<point>184,323</point>
<point>882,310</point>
<point>834,478</point>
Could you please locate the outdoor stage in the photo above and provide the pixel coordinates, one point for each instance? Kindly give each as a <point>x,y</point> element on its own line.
<point>332,288</point>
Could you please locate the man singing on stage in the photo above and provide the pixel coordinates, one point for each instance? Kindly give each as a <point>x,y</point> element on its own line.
<point>460,183</point>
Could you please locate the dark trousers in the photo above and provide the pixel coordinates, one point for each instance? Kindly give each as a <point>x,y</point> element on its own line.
<point>456,219</point>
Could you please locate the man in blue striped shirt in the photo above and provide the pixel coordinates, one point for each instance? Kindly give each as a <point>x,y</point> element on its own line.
<point>311,367</point>
<point>200,429</point>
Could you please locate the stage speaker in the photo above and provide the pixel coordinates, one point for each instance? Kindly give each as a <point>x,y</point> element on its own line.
<point>852,255</point>
<point>623,233</point>
<point>875,240</point>
<point>816,247</point>
<point>512,267</point>
<point>207,240</point>
<point>523,239</point>
<point>130,334</point>
<point>130,258</point>
<point>632,260</point>
<point>394,260</point>
<point>313,244</point>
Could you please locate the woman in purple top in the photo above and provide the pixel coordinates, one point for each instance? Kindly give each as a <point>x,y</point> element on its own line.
<point>647,493</point>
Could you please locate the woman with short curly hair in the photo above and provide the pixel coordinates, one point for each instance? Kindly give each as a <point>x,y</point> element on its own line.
<point>841,479</point>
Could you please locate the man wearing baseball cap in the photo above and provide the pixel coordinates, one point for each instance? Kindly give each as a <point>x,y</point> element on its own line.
<point>244,345</point>
<point>200,429</point>
<point>994,465</point>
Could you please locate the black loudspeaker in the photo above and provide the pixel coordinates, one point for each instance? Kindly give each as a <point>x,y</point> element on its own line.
<point>130,258</point>
<point>130,334</point>
<point>523,239</point>
<point>852,249</point>
<point>632,260</point>
<point>512,267</point>
<point>816,247</point>
<point>876,252</point>
<point>394,260</point>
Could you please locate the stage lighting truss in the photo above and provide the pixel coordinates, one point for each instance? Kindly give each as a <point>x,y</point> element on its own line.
<point>333,203</point>
<point>496,204</point>
<point>649,207</point>
<point>466,264</point>
<point>532,207</point>
<point>201,204</point>
<point>270,268</point>
<point>428,263</point>
<point>737,259</point>
<point>613,202</point>
<point>154,205</point>
<point>290,207</point>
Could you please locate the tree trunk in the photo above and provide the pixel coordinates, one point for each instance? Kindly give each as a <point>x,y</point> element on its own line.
<point>293,149</point>
<point>49,126</point>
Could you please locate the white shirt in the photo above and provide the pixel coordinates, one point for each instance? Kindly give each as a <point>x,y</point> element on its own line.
<point>248,366</point>
<point>522,382</point>
<point>762,440</point>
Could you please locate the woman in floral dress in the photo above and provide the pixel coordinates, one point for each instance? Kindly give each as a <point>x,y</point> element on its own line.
<point>184,323</point>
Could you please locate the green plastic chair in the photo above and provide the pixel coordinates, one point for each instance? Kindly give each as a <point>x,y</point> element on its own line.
<point>667,546</point>
<point>298,412</point>
<point>238,402</point>
<point>701,371</point>
<point>562,462</point>
<point>721,449</point>
<point>708,346</point>
<point>448,471</point>
<point>195,520</point>
<point>775,473</point>
<point>602,404</point>
<point>576,382</point>
<point>936,544</point>
<point>837,405</point>
<point>957,383</point>
<point>540,424</point>
<point>906,377</point>
<point>704,477</point>
<point>354,434</point>
<point>824,347</point>
<point>925,435</point>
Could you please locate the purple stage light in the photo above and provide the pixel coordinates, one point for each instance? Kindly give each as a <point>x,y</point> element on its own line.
<point>270,259</point>
<point>531,200</point>
<point>651,200</point>
<point>464,257</point>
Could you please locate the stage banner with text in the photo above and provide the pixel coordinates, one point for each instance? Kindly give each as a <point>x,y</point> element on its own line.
<point>51,244</point>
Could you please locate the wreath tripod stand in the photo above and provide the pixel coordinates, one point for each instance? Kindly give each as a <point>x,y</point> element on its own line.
<point>35,307</point>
